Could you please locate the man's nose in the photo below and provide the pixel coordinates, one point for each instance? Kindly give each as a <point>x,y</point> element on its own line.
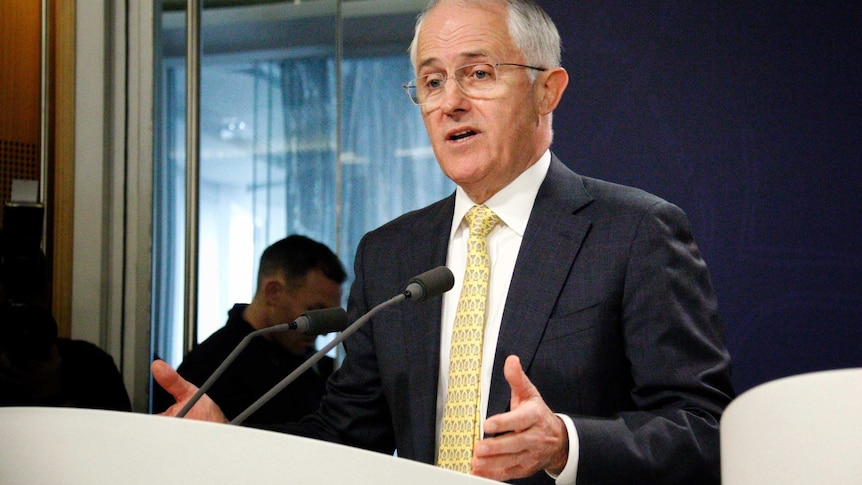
<point>453,96</point>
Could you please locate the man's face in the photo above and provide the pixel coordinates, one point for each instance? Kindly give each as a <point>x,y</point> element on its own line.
<point>481,143</point>
<point>316,292</point>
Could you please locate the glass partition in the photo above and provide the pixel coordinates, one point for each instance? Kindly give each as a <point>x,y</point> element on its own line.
<point>304,129</point>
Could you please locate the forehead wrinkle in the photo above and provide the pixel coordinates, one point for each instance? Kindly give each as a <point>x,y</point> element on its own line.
<point>468,40</point>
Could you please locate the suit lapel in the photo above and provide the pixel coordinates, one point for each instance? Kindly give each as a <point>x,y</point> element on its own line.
<point>544,261</point>
<point>422,325</point>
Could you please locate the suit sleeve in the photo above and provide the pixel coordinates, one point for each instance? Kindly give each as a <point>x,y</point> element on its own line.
<point>673,341</point>
<point>354,410</point>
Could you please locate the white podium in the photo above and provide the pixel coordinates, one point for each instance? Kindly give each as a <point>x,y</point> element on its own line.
<point>80,446</point>
<point>804,429</point>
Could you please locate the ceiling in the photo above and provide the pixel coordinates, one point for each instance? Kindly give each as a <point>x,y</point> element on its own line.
<point>233,37</point>
<point>259,25</point>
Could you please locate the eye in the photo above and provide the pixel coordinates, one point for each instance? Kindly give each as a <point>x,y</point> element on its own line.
<point>481,72</point>
<point>432,82</point>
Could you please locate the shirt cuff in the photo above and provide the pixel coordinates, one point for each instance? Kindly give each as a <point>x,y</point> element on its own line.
<point>570,472</point>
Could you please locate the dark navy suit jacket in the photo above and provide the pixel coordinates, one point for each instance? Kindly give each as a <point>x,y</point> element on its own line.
<point>610,310</point>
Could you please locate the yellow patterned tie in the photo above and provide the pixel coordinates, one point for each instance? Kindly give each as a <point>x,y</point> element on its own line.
<point>460,428</point>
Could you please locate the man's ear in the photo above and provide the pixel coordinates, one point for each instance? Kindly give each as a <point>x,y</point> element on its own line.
<point>550,86</point>
<point>272,288</point>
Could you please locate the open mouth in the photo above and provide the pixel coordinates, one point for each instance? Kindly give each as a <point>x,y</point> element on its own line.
<point>461,135</point>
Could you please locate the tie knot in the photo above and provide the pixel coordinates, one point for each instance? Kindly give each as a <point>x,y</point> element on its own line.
<point>481,220</point>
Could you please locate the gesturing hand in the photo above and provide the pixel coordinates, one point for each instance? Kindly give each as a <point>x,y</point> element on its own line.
<point>530,437</point>
<point>182,391</point>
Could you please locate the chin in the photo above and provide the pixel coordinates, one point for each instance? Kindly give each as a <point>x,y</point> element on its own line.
<point>464,170</point>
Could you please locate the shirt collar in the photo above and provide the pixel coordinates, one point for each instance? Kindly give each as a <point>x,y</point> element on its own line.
<point>513,203</point>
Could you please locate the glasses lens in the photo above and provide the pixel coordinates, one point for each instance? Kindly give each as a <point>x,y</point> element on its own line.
<point>426,87</point>
<point>410,88</point>
<point>473,79</point>
<point>476,78</point>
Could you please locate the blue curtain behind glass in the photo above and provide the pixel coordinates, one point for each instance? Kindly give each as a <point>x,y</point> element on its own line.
<point>309,156</point>
<point>300,184</point>
<point>388,165</point>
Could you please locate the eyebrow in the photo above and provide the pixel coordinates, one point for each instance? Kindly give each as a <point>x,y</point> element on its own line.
<point>466,57</point>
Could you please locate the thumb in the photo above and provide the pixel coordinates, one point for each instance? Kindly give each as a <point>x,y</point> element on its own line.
<point>522,388</point>
<point>171,381</point>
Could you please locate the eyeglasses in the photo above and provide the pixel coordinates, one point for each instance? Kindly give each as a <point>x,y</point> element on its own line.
<point>472,79</point>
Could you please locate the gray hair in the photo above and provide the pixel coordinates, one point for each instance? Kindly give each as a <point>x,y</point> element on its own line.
<point>530,28</point>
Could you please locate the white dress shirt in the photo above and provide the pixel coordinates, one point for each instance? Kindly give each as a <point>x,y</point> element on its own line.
<point>513,205</point>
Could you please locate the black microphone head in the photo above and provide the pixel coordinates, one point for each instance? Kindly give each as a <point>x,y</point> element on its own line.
<point>429,284</point>
<point>320,322</point>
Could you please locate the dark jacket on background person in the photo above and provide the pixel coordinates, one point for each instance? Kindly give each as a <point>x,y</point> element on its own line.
<point>260,366</point>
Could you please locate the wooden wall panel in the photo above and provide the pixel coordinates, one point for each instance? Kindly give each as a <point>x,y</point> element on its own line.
<point>21,123</point>
<point>61,159</point>
<point>20,98</point>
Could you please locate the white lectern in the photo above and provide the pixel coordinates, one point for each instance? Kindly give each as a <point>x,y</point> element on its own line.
<point>804,429</point>
<point>80,446</point>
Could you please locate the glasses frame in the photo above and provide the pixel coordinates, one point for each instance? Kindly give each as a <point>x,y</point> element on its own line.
<point>411,84</point>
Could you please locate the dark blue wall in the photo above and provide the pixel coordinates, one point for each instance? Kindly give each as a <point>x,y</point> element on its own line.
<point>749,118</point>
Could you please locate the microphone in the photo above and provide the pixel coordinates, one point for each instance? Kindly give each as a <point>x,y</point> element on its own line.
<point>312,322</point>
<point>317,322</point>
<point>429,284</point>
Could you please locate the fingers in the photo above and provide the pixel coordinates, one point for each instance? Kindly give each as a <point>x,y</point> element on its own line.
<point>529,438</point>
<point>517,454</point>
<point>182,391</point>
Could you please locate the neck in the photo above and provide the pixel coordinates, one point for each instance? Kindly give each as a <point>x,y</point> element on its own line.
<point>480,192</point>
<point>254,315</point>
